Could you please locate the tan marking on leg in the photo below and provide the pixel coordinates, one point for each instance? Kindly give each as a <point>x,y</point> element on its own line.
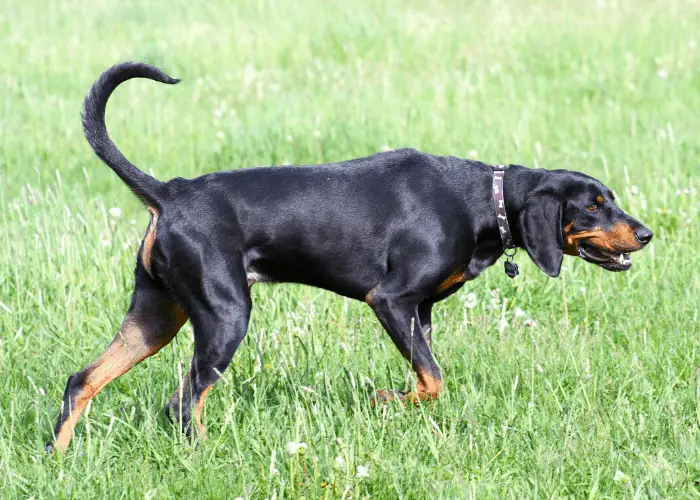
<point>457,276</point>
<point>178,397</point>
<point>129,347</point>
<point>382,396</point>
<point>198,411</point>
<point>427,388</point>
<point>149,240</point>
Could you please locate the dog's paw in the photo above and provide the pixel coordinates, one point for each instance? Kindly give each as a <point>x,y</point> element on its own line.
<point>178,418</point>
<point>384,396</point>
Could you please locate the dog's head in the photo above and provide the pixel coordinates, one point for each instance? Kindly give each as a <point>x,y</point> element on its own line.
<point>574,214</point>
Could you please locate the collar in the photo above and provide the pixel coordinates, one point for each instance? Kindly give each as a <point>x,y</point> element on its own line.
<point>499,172</point>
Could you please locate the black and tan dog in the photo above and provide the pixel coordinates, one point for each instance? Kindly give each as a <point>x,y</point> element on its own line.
<point>400,230</point>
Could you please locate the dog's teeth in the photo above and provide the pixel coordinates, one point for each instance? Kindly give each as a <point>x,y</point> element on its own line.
<point>623,259</point>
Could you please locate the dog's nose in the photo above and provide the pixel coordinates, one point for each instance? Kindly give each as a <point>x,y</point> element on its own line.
<point>643,236</point>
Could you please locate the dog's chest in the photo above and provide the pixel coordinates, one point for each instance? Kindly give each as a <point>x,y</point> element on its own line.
<point>483,257</point>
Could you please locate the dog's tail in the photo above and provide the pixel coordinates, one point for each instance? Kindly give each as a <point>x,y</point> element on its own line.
<point>143,185</point>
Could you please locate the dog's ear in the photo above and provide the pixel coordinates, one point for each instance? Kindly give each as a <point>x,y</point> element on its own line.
<point>541,230</point>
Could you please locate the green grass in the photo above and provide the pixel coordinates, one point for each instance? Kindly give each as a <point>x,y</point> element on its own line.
<point>607,380</point>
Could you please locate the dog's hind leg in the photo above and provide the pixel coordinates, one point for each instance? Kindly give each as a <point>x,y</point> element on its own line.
<point>220,315</point>
<point>151,322</point>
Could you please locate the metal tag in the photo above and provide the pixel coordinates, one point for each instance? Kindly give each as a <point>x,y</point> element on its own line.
<point>511,269</point>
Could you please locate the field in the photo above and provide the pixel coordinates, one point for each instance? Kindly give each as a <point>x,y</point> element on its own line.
<point>583,386</point>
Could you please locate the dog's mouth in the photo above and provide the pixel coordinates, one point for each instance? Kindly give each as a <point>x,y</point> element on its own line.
<point>606,259</point>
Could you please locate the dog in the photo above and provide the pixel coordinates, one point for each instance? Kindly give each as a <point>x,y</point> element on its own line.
<point>399,230</point>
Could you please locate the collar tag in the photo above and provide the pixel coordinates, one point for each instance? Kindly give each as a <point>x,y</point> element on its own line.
<point>510,267</point>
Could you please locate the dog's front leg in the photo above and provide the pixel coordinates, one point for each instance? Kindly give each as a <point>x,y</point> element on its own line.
<point>400,315</point>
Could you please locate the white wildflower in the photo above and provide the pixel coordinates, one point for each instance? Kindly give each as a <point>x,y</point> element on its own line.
<point>470,301</point>
<point>662,74</point>
<point>519,313</point>
<point>530,323</point>
<point>362,471</point>
<point>294,448</point>
<point>220,135</point>
<point>621,477</point>
<point>339,463</point>
<point>473,154</point>
<point>115,212</point>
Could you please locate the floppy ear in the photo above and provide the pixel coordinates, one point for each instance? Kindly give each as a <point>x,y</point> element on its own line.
<point>541,230</point>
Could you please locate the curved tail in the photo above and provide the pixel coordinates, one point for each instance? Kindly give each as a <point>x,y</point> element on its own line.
<point>143,185</point>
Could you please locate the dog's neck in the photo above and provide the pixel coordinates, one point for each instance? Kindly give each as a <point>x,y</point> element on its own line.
<point>518,183</point>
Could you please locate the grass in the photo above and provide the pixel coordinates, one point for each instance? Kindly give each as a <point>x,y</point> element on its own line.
<point>600,398</point>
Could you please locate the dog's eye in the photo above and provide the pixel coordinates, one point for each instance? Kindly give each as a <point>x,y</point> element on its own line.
<point>592,207</point>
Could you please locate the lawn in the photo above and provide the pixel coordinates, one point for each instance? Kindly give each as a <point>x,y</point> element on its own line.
<point>587,385</point>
